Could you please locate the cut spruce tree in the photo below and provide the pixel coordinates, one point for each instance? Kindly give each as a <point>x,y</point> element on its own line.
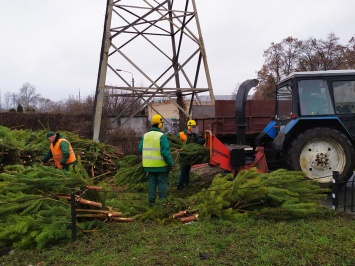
<point>280,194</point>
<point>35,209</point>
<point>27,147</point>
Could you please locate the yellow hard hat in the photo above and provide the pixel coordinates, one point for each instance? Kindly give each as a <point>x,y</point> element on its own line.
<point>157,120</point>
<point>191,123</point>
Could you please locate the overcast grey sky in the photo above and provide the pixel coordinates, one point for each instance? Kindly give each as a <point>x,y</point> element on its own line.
<point>55,45</point>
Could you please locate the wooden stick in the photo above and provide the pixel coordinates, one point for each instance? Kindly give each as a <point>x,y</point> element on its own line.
<point>179,214</point>
<point>120,219</point>
<point>90,203</point>
<point>82,201</point>
<point>93,187</point>
<point>108,213</point>
<point>99,176</point>
<point>92,215</point>
<point>189,218</point>
<point>114,214</point>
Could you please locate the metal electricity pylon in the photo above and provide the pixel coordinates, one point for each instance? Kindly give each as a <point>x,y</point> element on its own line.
<point>160,44</point>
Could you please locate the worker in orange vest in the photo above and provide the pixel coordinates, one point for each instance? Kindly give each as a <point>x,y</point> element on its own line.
<point>188,135</point>
<point>60,150</point>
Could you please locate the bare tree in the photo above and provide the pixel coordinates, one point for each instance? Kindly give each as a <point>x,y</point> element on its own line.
<point>267,85</point>
<point>322,54</point>
<point>44,104</point>
<point>350,54</point>
<point>10,100</point>
<point>28,96</point>
<point>331,54</point>
<point>114,105</point>
<point>281,59</point>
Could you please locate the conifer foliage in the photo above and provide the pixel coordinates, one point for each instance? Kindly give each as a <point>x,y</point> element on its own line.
<point>31,211</point>
<point>130,172</point>
<point>193,153</point>
<point>280,194</point>
<point>27,147</point>
<point>175,142</point>
<point>35,212</point>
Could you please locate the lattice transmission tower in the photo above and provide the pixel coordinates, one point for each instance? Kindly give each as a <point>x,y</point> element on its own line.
<point>151,49</point>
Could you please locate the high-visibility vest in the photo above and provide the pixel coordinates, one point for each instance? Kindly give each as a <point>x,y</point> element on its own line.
<point>187,138</point>
<point>151,155</point>
<point>183,136</point>
<point>57,153</point>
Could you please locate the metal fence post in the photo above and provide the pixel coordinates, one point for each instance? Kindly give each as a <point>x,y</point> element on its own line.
<point>73,216</point>
<point>335,190</point>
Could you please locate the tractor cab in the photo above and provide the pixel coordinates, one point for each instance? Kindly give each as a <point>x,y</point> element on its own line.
<point>297,96</point>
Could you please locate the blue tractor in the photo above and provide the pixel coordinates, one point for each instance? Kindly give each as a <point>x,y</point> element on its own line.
<point>313,129</point>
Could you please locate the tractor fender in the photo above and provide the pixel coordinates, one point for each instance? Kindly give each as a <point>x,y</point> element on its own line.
<point>270,130</point>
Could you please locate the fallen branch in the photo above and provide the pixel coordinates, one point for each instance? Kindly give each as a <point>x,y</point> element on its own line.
<point>179,214</point>
<point>91,215</point>
<point>107,213</point>
<point>119,219</point>
<point>81,201</point>
<point>93,188</point>
<point>189,218</point>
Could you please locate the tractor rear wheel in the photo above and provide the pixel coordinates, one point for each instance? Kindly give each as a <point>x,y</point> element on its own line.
<point>320,151</point>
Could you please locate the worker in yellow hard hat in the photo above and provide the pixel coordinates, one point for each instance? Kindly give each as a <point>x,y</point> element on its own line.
<point>188,135</point>
<point>156,159</point>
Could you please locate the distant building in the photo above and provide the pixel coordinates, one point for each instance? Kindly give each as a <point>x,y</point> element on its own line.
<point>170,111</point>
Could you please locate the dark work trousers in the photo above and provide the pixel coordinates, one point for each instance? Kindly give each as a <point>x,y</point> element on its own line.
<point>184,177</point>
<point>67,166</point>
<point>157,180</point>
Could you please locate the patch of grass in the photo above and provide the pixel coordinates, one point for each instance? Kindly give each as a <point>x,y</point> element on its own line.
<point>325,240</point>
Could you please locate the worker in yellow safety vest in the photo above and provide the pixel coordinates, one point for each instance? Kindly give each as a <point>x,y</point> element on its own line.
<point>156,159</point>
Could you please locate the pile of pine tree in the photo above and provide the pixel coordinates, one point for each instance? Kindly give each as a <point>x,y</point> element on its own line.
<point>33,208</point>
<point>27,147</point>
<point>35,211</point>
<point>131,173</point>
<point>280,194</point>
